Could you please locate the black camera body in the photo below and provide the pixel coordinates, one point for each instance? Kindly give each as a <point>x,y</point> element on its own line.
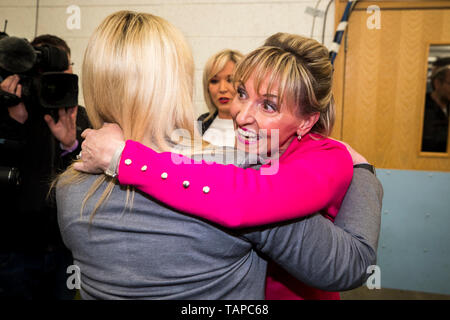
<point>40,68</point>
<point>45,89</point>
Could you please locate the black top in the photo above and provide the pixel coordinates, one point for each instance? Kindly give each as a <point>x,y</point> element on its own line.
<point>206,124</point>
<point>435,127</point>
<point>28,214</point>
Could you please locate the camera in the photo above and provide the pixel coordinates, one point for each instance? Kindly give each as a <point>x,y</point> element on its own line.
<point>45,89</point>
<point>9,176</point>
<point>40,71</point>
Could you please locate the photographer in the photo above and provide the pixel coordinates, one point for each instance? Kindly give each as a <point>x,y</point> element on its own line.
<point>41,143</point>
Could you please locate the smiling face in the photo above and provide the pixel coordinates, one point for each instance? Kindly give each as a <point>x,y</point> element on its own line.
<point>222,91</point>
<point>263,124</point>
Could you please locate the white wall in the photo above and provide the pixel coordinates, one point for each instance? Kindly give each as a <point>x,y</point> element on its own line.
<point>208,25</point>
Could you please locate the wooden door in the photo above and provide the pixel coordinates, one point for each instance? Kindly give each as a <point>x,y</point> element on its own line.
<point>380,81</point>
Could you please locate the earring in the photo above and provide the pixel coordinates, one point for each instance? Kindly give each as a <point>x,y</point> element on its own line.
<point>299,137</point>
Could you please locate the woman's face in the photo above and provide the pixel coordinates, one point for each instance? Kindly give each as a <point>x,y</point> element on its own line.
<point>222,91</point>
<point>262,126</point>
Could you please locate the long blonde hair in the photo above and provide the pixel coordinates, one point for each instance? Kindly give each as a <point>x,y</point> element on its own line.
<point>137,72</point>
<point>300,69</point>
<point>213,66</point>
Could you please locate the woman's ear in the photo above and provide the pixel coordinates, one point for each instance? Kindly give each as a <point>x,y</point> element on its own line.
<point>307,123</point>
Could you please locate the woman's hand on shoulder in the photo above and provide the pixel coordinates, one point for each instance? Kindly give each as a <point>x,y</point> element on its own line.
<point>98,148</point>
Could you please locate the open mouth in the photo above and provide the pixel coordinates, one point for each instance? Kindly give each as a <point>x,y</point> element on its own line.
<point>246,136</point>
<point>224,100</point>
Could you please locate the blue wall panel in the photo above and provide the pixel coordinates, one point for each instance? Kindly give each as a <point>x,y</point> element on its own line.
<point>414,245</point>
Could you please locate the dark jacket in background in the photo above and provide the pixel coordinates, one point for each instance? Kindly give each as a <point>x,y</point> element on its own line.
<point>206,124</point>
<point>28,215</point>
<point>435,127</point>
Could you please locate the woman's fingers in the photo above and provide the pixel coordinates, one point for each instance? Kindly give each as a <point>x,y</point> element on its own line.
<point>85,133</point>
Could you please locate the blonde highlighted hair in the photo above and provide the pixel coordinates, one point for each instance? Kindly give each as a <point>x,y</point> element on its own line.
<point>212,67</point>
<point>300,70</point>
<point>137,72</point>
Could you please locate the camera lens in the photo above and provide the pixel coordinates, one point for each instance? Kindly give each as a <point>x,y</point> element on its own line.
<point>9,176</point>
<point>58,90</point>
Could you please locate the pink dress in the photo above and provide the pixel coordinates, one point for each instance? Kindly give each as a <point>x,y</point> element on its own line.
<point>312,175</point>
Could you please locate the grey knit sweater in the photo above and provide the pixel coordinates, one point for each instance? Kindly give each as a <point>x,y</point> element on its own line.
<point>153,252</point>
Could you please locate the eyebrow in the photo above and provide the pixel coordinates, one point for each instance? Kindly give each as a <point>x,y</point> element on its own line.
<point>269,95</point>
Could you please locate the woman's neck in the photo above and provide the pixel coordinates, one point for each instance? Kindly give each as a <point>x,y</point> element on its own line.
<point>224,115</point>
<point>278,153</point>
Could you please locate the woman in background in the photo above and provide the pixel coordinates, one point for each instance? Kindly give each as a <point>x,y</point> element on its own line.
<point>218,90</point>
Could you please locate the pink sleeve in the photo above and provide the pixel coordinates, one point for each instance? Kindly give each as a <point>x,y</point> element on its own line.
<point>236,197</point>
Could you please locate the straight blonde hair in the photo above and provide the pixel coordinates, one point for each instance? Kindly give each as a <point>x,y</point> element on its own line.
<point>137,72</point>
<point>212,67</point>
<point>300,70</point>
